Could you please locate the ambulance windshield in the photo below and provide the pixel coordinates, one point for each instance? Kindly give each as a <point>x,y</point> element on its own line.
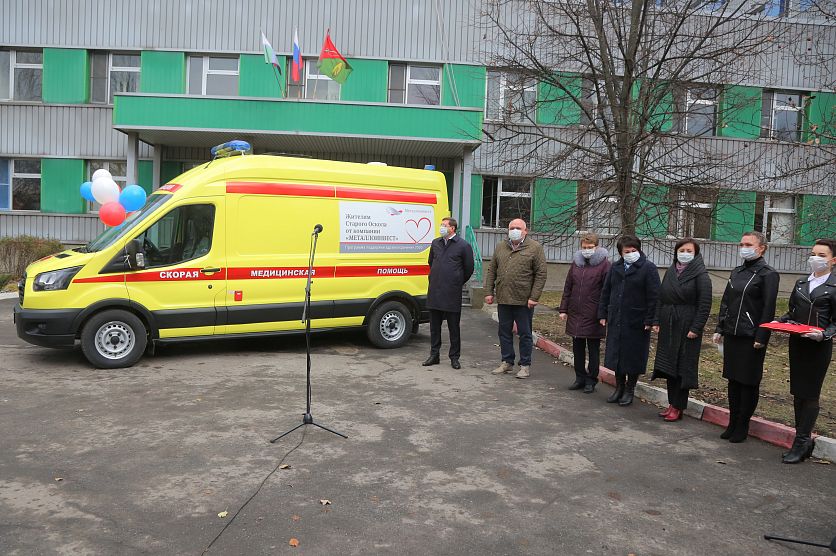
<point>107,237</point>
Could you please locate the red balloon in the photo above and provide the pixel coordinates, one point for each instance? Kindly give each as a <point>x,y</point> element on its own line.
<point>112,214</point>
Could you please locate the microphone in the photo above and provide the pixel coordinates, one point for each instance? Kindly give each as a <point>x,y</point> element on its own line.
<point>317,229</point>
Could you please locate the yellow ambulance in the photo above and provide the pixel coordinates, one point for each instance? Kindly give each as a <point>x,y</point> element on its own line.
<point>222,252</point>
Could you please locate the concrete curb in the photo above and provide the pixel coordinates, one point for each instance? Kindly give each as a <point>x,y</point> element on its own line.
<point>7,295</point>
<point>768,431</point>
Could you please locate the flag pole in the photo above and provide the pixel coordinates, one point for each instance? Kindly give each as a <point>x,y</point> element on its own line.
<point>278,81</point>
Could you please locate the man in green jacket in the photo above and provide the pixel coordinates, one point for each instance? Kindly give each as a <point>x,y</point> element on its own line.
<point>515,279</point>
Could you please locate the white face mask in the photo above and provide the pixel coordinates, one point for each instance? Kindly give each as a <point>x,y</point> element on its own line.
<point>632,257</point>
<point>748,253</point>
<point>443,230</point>
<point>817,264</point>
<point>684,257</point>
<point>587,253</point>
<point>515,235</point>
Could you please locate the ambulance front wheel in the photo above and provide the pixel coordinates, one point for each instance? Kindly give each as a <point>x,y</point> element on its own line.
<point>390,325</point>
<point>113,339</point>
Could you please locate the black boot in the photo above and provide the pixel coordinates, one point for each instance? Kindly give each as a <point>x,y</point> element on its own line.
<point>620,382</point>
<point>804,444</point>
<point>749,396</point>
<point>797,405</point>
<point>734,409</point>
<point>629,390</point>
<point>578,384</point>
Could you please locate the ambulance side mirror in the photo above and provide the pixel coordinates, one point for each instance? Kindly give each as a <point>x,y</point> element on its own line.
<point>136,257</point>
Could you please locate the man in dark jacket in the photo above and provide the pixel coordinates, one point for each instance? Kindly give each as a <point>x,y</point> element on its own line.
<point>451,266</point>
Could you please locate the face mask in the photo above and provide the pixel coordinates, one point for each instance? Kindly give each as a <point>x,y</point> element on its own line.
<point>817,264</point>
<point>587,253</point>
<point>684,257</point>
<point>630,258</point>
<point>443,231</point>
<point>515,235</point>
<point>748,253</point>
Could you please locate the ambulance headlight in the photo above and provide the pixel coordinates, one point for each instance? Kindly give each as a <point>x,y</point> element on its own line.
<point>55,279</point>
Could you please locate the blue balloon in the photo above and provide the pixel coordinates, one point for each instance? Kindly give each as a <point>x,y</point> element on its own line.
<point>87,191</point>
<point>132,198</point>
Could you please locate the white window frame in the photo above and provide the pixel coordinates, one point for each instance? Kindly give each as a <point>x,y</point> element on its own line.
<point>509,194</point>
<point>691,101</point>
<point>309,64</point>
<point>777,108</point>
<point>7,162</point>
<point>205,71</point>
<point>685,216</point>
<point>111,68</point>
<point>120,180</point>
<point>600,195</point>
<point>595,107</point>
<point>769,210</point>
<point>14,64</point>
<point>408,80</point>
<point>24,175</point>
<point>504,88</point>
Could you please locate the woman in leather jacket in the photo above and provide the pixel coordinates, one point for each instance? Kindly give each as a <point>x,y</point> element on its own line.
<point>748,302</point>
<point>812,302</point>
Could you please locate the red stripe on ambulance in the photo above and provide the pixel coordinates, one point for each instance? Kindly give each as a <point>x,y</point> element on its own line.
<point>395,270</point>
<point>287,189</point>
<point>278,273</point>
<point>385,195</point>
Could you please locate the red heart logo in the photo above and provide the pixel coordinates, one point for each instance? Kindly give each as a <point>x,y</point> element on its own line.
<point>418,230</point>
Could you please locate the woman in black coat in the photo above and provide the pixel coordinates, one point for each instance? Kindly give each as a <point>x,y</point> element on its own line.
<point>628,309</point>
<point>681,313</point>
<point>812,302</point>
<point>748,301</point>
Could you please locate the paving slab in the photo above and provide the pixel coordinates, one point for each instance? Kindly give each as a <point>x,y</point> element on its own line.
<point>437,461</point>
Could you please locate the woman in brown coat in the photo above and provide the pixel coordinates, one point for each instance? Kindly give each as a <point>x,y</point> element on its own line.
<point>579,308</point>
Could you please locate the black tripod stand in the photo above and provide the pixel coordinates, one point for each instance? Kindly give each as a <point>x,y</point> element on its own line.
<point>307,418</point>
<point>831,546</point>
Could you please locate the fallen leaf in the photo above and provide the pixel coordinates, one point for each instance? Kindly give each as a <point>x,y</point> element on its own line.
<point>59,478</point>
<point>823,462</point>
<point>284,466</point>
<point>294,543</point>
<point>295,517</point>
<point>223,514</point>
<point>325,502</point>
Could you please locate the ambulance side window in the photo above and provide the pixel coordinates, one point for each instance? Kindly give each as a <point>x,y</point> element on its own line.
<point>183,234</point>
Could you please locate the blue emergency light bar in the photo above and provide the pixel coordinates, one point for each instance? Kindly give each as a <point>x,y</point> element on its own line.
<point>231,148</point>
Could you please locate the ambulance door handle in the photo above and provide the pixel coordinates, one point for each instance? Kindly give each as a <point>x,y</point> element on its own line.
<point>210,270</point>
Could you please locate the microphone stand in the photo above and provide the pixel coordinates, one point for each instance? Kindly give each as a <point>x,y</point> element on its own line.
<point>831,546</point>
<point>307,418</point>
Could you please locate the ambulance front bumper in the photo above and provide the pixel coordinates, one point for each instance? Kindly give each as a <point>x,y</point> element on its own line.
<point>49,328</point>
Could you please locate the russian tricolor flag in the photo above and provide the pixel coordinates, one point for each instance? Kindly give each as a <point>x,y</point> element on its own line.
<point>296,66</point>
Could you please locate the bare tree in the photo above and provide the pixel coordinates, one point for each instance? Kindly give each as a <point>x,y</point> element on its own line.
<point>630,96</point>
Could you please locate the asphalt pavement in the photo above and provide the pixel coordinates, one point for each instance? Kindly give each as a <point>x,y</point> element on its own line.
<point>438,461</point>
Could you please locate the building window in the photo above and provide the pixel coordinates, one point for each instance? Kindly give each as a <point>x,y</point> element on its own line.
<point>213,75</point>
<point>594,104</point>
<point>714,5</point>
<point>691,211</point>
<point>21,72</point>
<point>510,97</point>
<point>700,111</point>
<point>312,84</point>
<point>414,84</point>
<point>775,217</point>
<point>782,115</point>
<point>25,193</point>
<point>504,199</point>
<point>598,208</point>
<point>5,184</point>
<point>112,73</point>
<point>119,171</point>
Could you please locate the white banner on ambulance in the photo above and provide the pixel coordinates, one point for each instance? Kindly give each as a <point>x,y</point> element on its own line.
<point>385,227</point>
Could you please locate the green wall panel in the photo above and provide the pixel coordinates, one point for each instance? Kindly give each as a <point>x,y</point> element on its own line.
<point>169,170</point>
<point>554,203</point>
<point>821,114</point>
<point>162,72</point>
<point>66,77</point>
<point>61,179</point>
<point>145,175</point>
<point>818,218</point>
<point>259,79</point>
<point>475,201</point>
<point>368,81</point>
<point>470,85</point>
<point>307,117</point>
<point>652,217</point>
<point>740,112</point>
<point>555,105</point>
<point>734,215</point>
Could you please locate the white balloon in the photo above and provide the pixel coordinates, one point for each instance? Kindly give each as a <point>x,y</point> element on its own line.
<point>105,190</point>
<point>101,173</point>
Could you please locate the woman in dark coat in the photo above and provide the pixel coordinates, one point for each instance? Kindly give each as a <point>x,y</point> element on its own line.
<point>812,302</point>
<point>748,302</point>
<point>628,309</point>
<point>681,314</point>
<point>579,308</point>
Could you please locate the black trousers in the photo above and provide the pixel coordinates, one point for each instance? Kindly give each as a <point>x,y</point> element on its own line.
<point>743,400</point>
<point>453,319</point>
<point>677,396</point>
<point>588,375</point>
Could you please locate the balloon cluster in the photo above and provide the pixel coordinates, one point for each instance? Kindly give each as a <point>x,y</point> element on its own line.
<point>116,203</point>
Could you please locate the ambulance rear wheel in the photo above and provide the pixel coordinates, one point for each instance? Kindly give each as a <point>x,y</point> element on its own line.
<point>113,339</point>
<point>390,325</point>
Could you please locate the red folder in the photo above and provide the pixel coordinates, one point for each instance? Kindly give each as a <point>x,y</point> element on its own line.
<point>791,328</point>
